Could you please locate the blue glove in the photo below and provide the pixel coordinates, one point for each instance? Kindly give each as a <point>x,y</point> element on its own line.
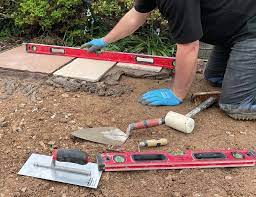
<point>160,97</point>
<point>95,45</point>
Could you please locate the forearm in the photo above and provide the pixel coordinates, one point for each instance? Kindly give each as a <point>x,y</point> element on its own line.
<point>186,59</point>
<point>130,22</point>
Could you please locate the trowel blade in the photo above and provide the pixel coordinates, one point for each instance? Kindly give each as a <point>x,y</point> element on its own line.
<point>32,170</point>
<point>103,135</point>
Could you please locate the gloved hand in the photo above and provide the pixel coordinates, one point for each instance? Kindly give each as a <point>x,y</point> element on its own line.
<point>160,97</point>
<point>95,45</point>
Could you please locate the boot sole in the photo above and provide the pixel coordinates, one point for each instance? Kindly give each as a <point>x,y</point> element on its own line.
<point>244,117</point>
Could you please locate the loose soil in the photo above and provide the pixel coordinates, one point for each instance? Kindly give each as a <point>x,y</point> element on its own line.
<point>30,122</point>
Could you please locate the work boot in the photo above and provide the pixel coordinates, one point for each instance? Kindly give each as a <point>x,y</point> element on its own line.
<point>245,111</point>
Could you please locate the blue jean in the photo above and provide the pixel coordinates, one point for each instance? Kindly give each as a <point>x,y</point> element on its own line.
<point>234,69</point>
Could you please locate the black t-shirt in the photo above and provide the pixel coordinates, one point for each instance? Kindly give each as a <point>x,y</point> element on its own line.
<point>217,22</point>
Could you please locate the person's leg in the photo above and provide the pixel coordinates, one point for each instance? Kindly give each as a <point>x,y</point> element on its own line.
<point>238,97</point>
<point>216,66</point>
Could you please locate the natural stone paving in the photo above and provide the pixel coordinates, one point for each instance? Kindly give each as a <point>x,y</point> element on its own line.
<point>140,67</point>
<point>18,59</point>
<point>85,69</point>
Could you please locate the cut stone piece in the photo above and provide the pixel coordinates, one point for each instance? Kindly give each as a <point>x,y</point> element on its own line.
<point>18,59</point>
<point>140,67</point>
<point>85,69</point>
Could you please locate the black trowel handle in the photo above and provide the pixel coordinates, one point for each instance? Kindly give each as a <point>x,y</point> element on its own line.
<point>70,155</point>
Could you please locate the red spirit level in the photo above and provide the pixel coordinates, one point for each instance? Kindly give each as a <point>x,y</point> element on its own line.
<point>165,62</point>
<point>129,161</point>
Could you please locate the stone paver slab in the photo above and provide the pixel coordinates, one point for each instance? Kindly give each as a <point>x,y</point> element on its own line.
<point>19,59</point>
<point>140,67</point>
<point>85,69</point>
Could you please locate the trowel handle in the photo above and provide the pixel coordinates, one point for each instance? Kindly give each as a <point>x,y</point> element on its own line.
<point>144,124</point>
<point>204,105</point>
<point>70,155</point>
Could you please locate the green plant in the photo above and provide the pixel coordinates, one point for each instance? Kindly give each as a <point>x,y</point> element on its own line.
<point>111,11</point>
<point>7,27</point>
<point>9,30</point>
<point>110,8</point>
<point>58,16</point>
<point>108,12</point>
<point>147,42</point>
<point>7,7</point>
<point>73,22</point>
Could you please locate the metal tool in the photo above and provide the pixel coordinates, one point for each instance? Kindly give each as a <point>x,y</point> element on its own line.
<point>103,135</point>
<point>65,165</point>
<point>113,136</point>
<point>116,137</point>
<point>165,62</point>
<point>183,123</point>
<point>130,161</point>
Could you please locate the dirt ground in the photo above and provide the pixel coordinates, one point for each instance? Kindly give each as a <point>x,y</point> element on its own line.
<point>29,123</point>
